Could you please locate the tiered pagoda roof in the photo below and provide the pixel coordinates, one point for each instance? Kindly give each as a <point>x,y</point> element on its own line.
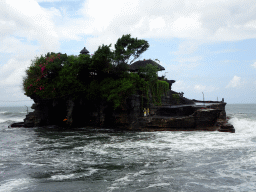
<point>84,51</point>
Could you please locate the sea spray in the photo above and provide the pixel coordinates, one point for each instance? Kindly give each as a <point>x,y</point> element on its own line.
<point>38,159</point>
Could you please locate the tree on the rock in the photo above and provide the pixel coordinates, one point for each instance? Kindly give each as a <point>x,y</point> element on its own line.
<point>101,60</point>
<point>59,75</point>
<point>127,47</point>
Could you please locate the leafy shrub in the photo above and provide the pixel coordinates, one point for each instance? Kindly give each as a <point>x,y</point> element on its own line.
<point>40,76</point>
<point>156,87</point>
<point>58,75</point>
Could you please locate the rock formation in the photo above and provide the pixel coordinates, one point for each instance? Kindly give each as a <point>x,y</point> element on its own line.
<point>169,116</point>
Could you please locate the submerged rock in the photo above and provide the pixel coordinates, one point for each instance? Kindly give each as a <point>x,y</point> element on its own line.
<point>19,124</point>
<point>227,127</point>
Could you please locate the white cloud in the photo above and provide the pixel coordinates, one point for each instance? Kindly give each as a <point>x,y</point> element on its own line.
<point>27,19</point>
<point>235,82</point>
<point>254,65</point>
<point>28,29</point>
<point>39,1</point>
<point>225,51</point>
<point>179,86</point>
<point>18,49</point>
<point>12,72</point>
<point>200,88</point>
<point>203,21</point>
<point>187,26</point>
<point>203,88</point>
<point>187,47</point>
<point>182,65</point>
<point>193,59</point>
<point>157,23</point>
<point>196,21</point>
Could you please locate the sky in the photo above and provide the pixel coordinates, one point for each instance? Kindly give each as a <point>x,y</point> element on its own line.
<point>206,46</point>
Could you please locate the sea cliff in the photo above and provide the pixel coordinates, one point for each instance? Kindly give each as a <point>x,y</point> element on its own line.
<point>170,116</point>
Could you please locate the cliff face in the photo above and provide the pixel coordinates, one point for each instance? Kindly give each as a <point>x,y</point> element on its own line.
<point>81,113</point>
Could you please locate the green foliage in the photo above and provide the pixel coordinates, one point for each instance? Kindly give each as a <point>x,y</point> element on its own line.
<point>157,90</point>
<point>116,91</point>
<point>94,91</point>
<point>127,47</point>
<point>73,72</point>
<point>149,73</point>
<point>58,75</point>
<point>40,76</point>
<point>101,60</point>
<point>84,65</point>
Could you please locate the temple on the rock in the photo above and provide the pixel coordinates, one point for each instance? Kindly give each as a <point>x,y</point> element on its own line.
<point>175,113</point>
<point>138,64</point>
<point>84,51</point>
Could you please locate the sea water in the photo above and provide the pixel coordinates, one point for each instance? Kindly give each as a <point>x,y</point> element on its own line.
<point>87,159</point>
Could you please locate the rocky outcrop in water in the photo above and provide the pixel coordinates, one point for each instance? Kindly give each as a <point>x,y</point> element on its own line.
<point>171,115</point>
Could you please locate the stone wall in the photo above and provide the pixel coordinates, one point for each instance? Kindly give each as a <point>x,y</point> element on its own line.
<point>220,106</point>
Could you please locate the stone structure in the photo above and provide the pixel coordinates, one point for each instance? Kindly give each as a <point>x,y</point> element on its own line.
<point>169,116</point>
<point>136,65</point>
<point>170,83</point>
<point>84,51</point>
<point>175,113</point>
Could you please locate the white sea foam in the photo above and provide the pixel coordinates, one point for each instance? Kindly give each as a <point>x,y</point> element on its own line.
<point>2,120</point>
<point>150,157</point>
<point>128,178</point>
<point>17,119</point>
<point>91,148</point>
<point>78,148</point>
<point>62,177</point>
<point>16,184</point>
<point>32,164</point>
<point>73,176</point>
<point>158,185</point>
<point>14,119</point>
<point>193,141</point>
<point>123,181</point>
<point>91,171</point>
<point>244,125</point>
<point>142,172</point>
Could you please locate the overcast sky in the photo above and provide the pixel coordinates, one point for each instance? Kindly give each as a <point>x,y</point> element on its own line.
<point>205,45</point>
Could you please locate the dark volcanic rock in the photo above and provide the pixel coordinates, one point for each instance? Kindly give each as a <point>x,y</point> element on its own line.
<point>206,117</point>
<point>226,127</point>
<point>20,124</point>
<point>80,112</point>
<point>186,122</point>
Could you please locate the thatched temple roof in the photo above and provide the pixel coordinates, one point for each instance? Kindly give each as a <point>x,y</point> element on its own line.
<point>135,66</point>
<point>84,51</point>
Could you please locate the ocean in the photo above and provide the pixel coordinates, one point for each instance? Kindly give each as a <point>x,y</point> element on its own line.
<point>88,159</point>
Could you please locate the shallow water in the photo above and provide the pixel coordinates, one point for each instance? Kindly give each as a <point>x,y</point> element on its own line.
<point>40,159</point>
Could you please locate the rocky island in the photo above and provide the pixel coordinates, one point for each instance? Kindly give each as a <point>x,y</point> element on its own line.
<point>104,90</point>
